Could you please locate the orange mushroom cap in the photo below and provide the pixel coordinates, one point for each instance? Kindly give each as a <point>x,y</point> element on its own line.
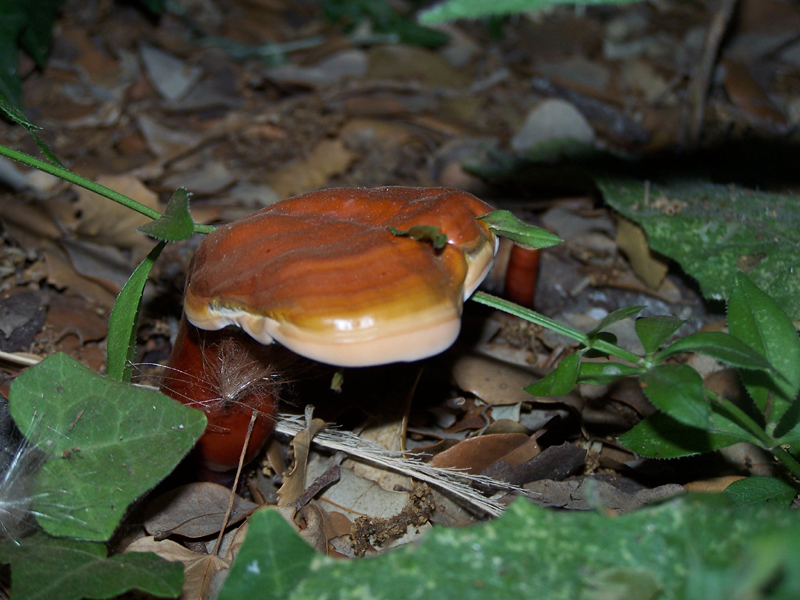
<point>322,274</point>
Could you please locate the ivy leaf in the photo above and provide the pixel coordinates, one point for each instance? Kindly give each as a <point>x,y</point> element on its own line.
<point>759,322</point>
<point>176,224</point>
<point>423,233</point>
<point>43,567</point>
<point>106,442</point>
<point>505,224</point>
<point>654,331</point>
<point>560,381</point>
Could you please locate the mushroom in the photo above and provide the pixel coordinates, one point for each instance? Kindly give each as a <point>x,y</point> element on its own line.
<point>350,277</point>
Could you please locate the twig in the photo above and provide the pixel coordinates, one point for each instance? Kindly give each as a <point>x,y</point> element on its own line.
<point>455,482</point>
<point>235,482</point>
<point>701,78</point>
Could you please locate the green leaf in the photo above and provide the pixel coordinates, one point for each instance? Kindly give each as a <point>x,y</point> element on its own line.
<point>722,346</point>
<point>601,373</point>
<point>761,490</point>
<point>533,552</point>
<point>107,443</point>
<point>506,225</point>
<point>266,570</point>
<point>560,381</point>
<point>43,568</point>
<point>422,233</point>
<point>654,331</point>
<point>678,391</point>
<point>124,319</point>
<point>716,231</point>
<point>16,115</point>
<point>661,436</point>
<point>475,9</point>
<point>614,317</point>
<point>758,321</point>
<point>176,224</point>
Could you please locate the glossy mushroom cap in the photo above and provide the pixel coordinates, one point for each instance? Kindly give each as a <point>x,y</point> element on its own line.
<point>322,274</point>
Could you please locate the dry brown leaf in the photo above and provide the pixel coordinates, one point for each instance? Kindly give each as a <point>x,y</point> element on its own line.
<point>494,382</point>
<point>107,223</point>
<point>200,570</point>
<point>633,242</point>
<point>194,510</point>
<point>294,482</point>
<point>327,158</point>
<point>476,454</point>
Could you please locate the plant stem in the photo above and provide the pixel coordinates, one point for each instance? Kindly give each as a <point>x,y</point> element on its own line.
<point>66,175</point>
<point>789,461</point>
<point>566,330</point>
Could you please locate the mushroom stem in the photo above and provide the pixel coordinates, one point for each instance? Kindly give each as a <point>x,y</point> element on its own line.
<point>229,377</point>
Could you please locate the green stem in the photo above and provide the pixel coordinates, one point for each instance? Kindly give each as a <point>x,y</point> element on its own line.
<point>768,443</point>
<point>566,330</point>
<point>789,461</point>
<point>52,169</point>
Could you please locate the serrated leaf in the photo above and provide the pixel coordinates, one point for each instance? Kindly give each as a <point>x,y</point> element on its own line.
<point>654,331</point>
<point>560,381</point>
<point>450,10</point>
<point>176,224</point>
<point>422,233</point>
<point>678,391</point>
<point>722,346</point>
<point>761,490</point>
<point>107,443</point>
<point>614,317</point>
<point>661,436</point>
<point>756,319</point>
<point>601,373</point>
<point>715,231</point>
<point>505,224</point>
<point>529,552</point>
<point>124,319</point>
<point>44,568</point>
<point>268,571</point>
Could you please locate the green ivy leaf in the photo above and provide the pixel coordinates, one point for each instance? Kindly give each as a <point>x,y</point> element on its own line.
<point>560,381</point>
<point>761,490</point>
<point>654,331</point>
<point>107,443</point>
<point>601,373</point>
<point>43,568</point>
<point>124,319</point>
<point>505,224</point>
<point>266,570</point>
<point>533,552</point>
<point>759,322</point>
<point>722,346</point>
<point>176,224</point>
<point>614,317</point>
<point>678,391</point>
<point>422,233</point>
<point>661,436</point>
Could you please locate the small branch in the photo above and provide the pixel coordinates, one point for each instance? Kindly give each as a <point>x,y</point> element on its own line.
<point>701,78</point>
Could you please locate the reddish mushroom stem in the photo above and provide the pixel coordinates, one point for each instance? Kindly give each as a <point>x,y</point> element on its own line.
<point>522,275</point>
<point>228,376</point>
